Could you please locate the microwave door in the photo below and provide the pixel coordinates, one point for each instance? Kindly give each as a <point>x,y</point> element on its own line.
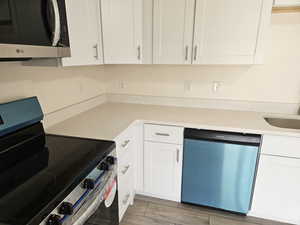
<point>31,29</point>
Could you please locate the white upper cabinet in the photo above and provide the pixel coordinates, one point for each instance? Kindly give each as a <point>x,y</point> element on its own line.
<point>286,3</point>
<point>122,31</point>
<point>228,31</point>
<point>84,24</point>
<point>172,31</point>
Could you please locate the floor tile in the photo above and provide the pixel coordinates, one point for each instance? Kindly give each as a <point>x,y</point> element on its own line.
<point>176,215</point>
<point>142,220</point>
<point>225,221</point>
<point>138,208</point>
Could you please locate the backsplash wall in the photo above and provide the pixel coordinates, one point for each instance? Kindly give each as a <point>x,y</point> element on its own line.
<point>278,80</point>
<point>56,88</point>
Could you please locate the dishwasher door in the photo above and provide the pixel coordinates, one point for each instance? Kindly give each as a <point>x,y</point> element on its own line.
<point>219,174</point>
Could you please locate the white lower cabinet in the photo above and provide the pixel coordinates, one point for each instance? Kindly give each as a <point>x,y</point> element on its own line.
<point>277,189</point>
<point>276,193</point>
<point>162,170</point>
<point>125,143</point>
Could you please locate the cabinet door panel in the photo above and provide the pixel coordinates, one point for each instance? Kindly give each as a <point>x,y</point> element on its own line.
<point>172,31</point>
<point>276,194</point>
<point>286,3</point>
<point>122,31</point>
<point>84,33</point>
<point>226,31</point>
<point>163,163</point>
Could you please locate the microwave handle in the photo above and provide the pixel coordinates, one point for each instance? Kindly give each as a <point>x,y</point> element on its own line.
<point>57,28</point>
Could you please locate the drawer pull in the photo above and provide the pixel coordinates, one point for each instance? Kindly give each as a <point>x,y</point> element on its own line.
<point>177,155</point>
<point>162,134</point>
<point>126,168</point>
<point>125,200</point>
<point>125,143</point>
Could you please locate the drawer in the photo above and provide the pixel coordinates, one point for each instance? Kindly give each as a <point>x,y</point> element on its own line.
<point>124,142</point>
<point>124,164</point>
<point>165,134</point>
<point>281,146</point>
<point>125,187</point>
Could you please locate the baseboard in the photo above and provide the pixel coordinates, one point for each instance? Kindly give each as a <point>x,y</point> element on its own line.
<point>67,112</point>
<point>265,107</point>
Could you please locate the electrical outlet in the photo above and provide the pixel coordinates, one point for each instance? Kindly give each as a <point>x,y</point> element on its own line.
<point>121,84</point>
<point>216,86</point>
<point>187,86</point>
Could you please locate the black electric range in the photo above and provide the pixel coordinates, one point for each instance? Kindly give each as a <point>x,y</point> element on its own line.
<point>38,170</point>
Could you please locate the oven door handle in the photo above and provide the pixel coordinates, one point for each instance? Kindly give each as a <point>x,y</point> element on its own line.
<point>57,24</point>
<point>80,201</point>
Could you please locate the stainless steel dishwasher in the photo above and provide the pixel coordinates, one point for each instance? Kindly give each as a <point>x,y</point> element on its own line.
<point>219,169</point>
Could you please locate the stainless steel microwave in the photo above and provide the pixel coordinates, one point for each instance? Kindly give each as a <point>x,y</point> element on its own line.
<point>33,29</point>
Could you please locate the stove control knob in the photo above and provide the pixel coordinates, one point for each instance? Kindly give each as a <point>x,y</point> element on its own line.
<point>111,160</point>
<point>54,220</point>
<point>66,208</point>
<point>89,184</point>
<point>104,166</point>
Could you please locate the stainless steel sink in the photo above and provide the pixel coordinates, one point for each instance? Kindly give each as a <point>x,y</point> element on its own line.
<point>284,123</point>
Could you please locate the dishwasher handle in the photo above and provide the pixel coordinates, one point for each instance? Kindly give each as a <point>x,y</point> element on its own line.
<point>221,136</point>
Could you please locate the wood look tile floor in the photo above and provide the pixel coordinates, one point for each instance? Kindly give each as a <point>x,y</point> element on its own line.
<point>152,211</point>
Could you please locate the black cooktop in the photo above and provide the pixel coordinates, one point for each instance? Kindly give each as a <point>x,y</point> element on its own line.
<point>34,180</point>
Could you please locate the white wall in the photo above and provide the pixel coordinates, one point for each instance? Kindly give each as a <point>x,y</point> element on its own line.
<point>278,80</point>
<point>56,88</point>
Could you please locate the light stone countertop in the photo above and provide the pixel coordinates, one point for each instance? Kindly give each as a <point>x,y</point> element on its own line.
<point>108,120</point>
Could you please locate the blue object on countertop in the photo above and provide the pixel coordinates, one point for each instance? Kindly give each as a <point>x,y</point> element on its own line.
<point>19,114</point>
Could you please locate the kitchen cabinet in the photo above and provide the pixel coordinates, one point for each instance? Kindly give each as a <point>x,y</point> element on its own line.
<point>163,161</point>
<point>173,31</point>
<point>84,25</point>
<point>286,3</point>
<point>276,193</point>
<point>125,145</point>
<point>122,31</point>
<point>162,170</point>
<point>210,31</point>
<point>229,32</point>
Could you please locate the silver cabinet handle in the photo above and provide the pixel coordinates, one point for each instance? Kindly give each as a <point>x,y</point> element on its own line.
<point>186,53</point>
<point>126,168</point>
<point>96,49</point>
<point>162,134</point>
<point>195,53</point>
<point>125,200</point>
<point>177,155</point>
<point>125,143</point>
<point>139,52</point>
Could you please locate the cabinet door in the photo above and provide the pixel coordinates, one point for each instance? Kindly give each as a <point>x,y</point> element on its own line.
<point>286,3</point>
<point>122,31</point>
<point>163,166</point>
<point>227,31</point>
<point>84,24</point>
<point>173,31</point>
<point>276,194</point>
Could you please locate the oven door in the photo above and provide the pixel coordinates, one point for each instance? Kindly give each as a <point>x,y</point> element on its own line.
<point>33,28</point>
<point>104,210</point>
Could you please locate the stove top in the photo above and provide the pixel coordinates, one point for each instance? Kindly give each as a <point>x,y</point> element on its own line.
<point>34,179</point>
